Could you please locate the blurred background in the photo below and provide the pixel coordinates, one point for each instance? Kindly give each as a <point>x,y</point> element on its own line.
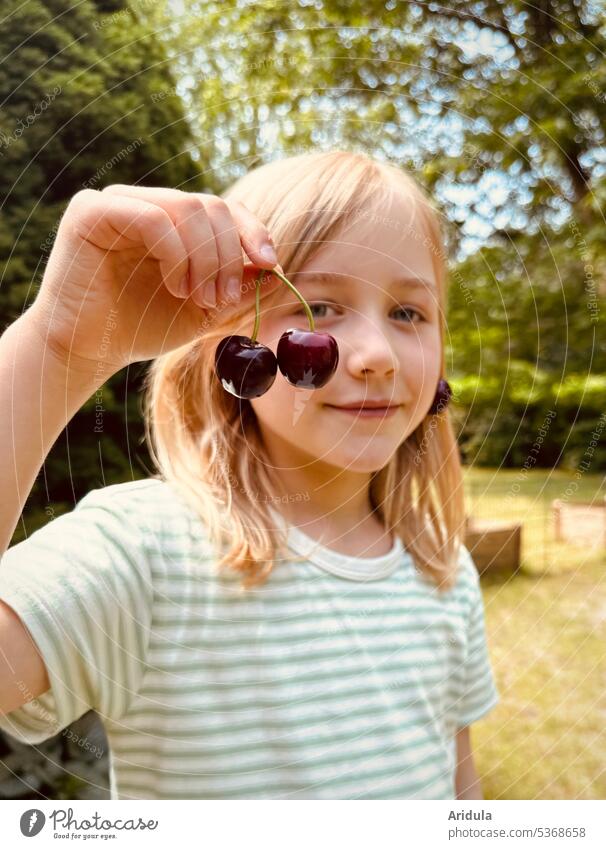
<point>498,108</point>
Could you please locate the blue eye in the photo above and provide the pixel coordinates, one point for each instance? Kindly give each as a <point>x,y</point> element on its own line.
<point>322,305</point>
<point>315,305</point>
<point>411,310</point>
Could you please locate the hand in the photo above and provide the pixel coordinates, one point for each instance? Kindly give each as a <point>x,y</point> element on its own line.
<point>136,271</point>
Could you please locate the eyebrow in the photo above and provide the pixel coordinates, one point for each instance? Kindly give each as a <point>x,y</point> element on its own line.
<point>335,277</point>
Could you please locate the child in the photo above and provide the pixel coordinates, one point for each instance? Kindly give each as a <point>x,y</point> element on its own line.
<point>286,609</point>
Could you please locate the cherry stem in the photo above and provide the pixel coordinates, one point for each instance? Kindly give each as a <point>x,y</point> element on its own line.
<point>310,317</point>
<point>260,277</point>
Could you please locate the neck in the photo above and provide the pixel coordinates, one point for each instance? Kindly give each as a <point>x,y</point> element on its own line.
<point>319,495</point>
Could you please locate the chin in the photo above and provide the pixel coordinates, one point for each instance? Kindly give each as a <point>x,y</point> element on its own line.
<point>364,463</point>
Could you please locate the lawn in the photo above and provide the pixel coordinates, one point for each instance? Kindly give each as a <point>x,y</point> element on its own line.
<point>547,639</point>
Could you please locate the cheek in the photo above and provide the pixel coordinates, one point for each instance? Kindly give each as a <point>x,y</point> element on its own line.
<point>275,408</point>
<point>280,407</point>
<point>420,355</point>
<point>267,407</point>
<point>288,411</point>
<point>423,364</point>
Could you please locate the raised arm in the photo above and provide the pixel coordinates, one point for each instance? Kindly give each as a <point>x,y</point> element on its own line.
<point>134,272</point>
<point>38,397</point>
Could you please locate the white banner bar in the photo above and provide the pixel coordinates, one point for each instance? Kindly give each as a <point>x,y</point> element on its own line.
<point>279,824</point>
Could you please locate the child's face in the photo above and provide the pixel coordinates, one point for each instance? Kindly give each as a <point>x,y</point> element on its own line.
<point>388,337</point>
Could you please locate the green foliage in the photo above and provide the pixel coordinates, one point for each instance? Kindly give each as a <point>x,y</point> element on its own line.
<point>528,335</point>
<point>101,92</point>
<point>80,110</point>
<point>459,95</point>
<point>516,88</point>
<point>527,419</point>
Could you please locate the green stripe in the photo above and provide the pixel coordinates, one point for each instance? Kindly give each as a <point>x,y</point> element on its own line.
<point>285,745</point>
<point>212,584</point>
<point>381,665</point>
<point>219,649</point>
<point>291,588</point>
<point>124,731</point>
<point>317,615</point>
<point>187,615</point>
<point>468,716</point>
<point>177,710</point>
<point>312,762</point>
<point>227,688</point>
<point>405,789</point>
<point>213,660</point>
<point>275,789</point>
<point>274,611</point>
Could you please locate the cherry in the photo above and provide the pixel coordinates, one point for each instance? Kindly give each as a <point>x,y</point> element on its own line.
<point>441,398</point>
<point>307,359</point>
<point>246,369</point>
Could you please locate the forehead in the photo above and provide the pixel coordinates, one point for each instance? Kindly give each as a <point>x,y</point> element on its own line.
<point>341,281</point>
<point>384,243</point>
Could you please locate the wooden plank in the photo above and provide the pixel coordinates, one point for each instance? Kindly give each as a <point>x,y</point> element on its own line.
<point>580,522</point>
<point>494,544</point>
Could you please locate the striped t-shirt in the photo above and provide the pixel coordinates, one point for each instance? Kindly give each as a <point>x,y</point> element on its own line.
<point>339,678</point>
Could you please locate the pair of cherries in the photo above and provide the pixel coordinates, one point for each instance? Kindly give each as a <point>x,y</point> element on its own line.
<point>307,359</point>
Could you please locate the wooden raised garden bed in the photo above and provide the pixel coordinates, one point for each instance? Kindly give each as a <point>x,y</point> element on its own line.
<point>580,522</point>
<point>494,544</point>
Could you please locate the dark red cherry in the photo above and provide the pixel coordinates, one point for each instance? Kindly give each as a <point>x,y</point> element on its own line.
<point>246,369</point>
<point>442,397</point>
<point>306,358</point>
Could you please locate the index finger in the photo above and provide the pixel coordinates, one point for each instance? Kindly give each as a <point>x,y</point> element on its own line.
<point>254,236</point>
<point>269,282</point>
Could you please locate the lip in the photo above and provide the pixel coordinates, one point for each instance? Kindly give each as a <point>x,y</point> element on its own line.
<point>368,412</point>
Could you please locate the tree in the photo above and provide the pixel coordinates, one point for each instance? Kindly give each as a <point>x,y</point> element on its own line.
<point>457,92</point>
<point>497,107</point>
<point>88,98</point>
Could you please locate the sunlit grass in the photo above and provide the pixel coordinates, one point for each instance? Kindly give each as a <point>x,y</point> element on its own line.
<point>547,639</point>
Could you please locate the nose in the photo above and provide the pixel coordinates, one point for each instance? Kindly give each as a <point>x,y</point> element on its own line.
<point>370,352</point>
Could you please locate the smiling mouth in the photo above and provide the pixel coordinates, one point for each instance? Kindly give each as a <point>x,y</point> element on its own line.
<point>367,412</point>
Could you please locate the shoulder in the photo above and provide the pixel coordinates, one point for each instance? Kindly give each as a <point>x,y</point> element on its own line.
<point>131,496</point>
<point>151,511</point>
<point>467,583</point>
<point>150,504</point>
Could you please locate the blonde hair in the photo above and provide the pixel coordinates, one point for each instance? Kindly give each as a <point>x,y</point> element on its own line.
<point>206,442</point>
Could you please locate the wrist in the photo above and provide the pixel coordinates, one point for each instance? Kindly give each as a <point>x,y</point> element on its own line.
<point>59,367</point>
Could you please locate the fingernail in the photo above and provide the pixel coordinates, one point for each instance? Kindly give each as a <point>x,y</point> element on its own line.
<point>183,288</point>
<point>268,253</point>
<point>208,293</point>
<point>232,289</point>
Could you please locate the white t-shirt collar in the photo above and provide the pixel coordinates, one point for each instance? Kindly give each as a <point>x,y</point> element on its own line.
<point>343,565</point>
